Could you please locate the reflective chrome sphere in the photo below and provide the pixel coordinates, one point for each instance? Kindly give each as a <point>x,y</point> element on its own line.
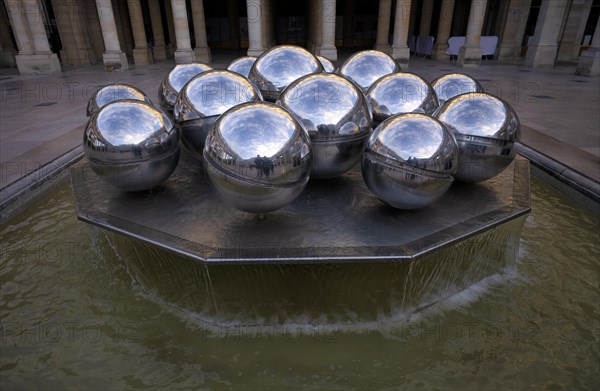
<point>365,67</point>
<point>486,129</point>
<point>258,157</point>
<point>132,145</point>
<point>203,99</point>
<point>327,64</point>
<point>113,93</point>
<point>242,65</point>
<point>279,66</point>
<point>174,82</point>
<point>400,93</point>
<point>337,117</point>
<point>409,160</point>
<point>453,84</point>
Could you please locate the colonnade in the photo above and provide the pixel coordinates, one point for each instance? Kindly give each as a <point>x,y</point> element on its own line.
<point>558,32</point>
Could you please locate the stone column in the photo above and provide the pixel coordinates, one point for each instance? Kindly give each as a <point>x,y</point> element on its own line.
<point>470,54</point>
<point>524,9</point>
<point>508,46</point>
<point>589,61</point>
<point>328,30</point>
<point>94,29</point>
<point>184,53</point>
<point>400,49</point>
<point>72,27</point>
<point>443,33</point>
<point>349,23</point>
<point>114,58</point>
<point>426,15</point>
<point>255,41</point>
<point>383,26</point>
<point>318,38</point>
<point>35,57</point>
<point>580,31</point>
<point>7,50</point>
<point>570,44</point>
<point>159,50</point>
<point>541,52</point>
<point>234,24</point>
<point>141,52</point>
<point>19,26</point>
<point>124,24</point>
<point>35,20</point>
<point>171,47</point>
<point>201,51</point>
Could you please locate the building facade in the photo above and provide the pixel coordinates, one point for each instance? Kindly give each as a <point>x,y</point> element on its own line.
<point>46,36</point>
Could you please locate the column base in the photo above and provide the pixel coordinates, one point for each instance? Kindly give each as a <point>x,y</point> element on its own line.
<point>439,52</point>
<point>506,52</point>
<point>540,55</point>
<point>159,52</point>
<point>330,53</point>
<point>115,61</point>
<point>255,51</point>
<point>402,55</point>
<point>383,47</point>
<point>469,56</point>
<point>7,60</point>
<point>38,64</point>
<point>142,56</point>
<point>203,54</point>
<point>171,51</point>
<point>589,63</point>
<point>184,56</point>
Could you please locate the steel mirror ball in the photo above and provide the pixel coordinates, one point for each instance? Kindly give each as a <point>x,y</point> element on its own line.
<point>337,117</point>
<point>399,93</point>
<point>242,65</point>
<point>453,84</point>
<point>203,99</point>
<point>258,157</point>
<point>112,93</point>
<point>131,145</point>
<point>409,161</point>
<point>364,67</point>
<point>279,66</point>
<point>327,64</point>
<point>174,82</point>
<point>486,129</point>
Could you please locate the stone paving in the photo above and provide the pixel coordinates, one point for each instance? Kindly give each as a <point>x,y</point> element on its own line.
<point>42,117</point>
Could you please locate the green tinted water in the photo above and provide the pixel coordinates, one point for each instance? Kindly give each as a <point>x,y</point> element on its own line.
<point>81,308</point>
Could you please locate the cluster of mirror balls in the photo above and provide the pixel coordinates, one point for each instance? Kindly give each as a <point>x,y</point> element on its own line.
<point>265,125</point>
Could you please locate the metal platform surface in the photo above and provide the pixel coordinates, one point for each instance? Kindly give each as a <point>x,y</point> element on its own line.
<point>336,220</point>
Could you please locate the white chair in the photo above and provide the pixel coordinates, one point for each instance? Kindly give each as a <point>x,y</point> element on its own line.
<point>488,45</point>
<point>454,45</point>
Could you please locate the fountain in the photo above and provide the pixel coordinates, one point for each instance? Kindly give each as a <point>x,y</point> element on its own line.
<point>335,236</point>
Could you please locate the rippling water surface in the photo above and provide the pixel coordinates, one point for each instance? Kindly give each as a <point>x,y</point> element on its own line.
<point>83,308</point>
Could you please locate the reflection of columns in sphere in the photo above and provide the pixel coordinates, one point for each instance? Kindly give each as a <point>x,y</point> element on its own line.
<point>279,66</point>
<point>365,67</point>
<point>203,99</point>
<point>486,129</point>
<point>174,82</point>
<point>409,161</point>
<point>258,157</point>
<point>131,145</point>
